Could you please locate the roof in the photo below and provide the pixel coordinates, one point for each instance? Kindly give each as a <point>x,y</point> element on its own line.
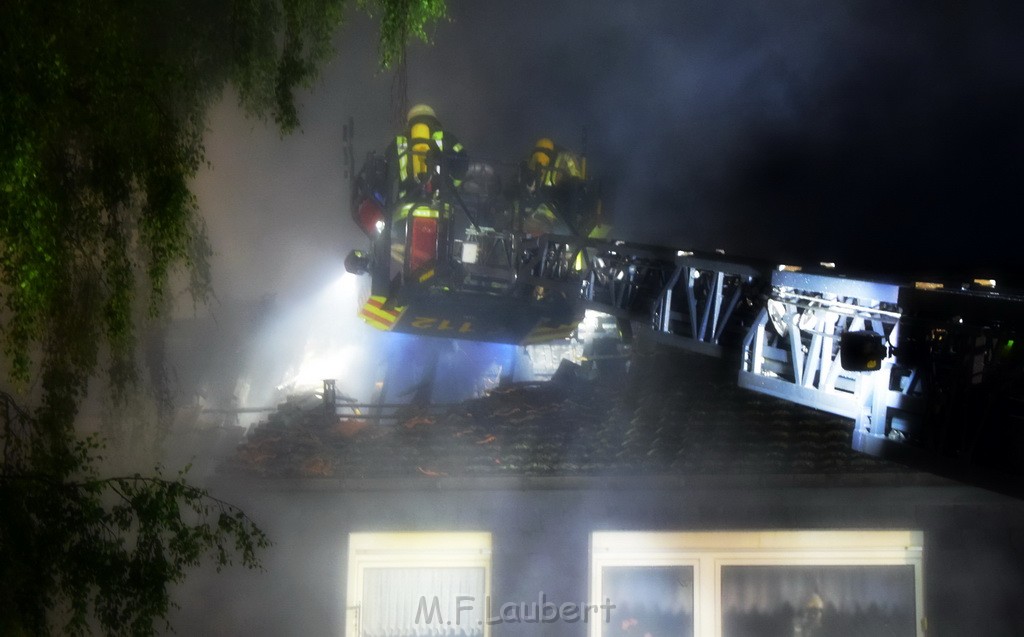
<point>675,414</point>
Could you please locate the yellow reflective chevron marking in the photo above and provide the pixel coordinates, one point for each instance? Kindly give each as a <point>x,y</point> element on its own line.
<point>374,313</point>
<point>426,275</point>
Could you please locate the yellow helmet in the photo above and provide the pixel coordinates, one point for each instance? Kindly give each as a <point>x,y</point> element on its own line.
<point>420,110</point>
<point>543,150</point>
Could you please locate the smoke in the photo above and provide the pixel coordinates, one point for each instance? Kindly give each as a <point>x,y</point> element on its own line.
<point>859,132</point>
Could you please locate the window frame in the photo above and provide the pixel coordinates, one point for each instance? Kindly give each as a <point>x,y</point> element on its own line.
<point>709,551</point>
<point>428,549</point>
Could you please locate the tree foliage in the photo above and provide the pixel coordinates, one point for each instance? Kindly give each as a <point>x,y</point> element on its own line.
<point>101,551</point>
<point>401,21</point>
<point>103,107</point>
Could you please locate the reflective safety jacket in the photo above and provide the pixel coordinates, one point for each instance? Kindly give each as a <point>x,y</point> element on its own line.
<point>565,165</point>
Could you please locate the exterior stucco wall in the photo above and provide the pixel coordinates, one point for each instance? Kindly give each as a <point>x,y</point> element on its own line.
<point>973,570</point>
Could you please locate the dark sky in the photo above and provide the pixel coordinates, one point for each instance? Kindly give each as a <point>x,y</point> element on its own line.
<point>885,136</point>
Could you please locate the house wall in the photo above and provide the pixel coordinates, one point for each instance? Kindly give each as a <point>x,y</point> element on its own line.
<point>973,570</point>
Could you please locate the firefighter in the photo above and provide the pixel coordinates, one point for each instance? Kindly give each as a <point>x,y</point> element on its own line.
<point>425,162</point>
<point>551,191</point>
<point>422,166</point>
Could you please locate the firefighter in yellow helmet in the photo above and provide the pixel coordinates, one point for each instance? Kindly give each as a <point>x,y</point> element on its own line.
<point>425,163</point>
<point>550,192</point>
<point>552,165</point>
<point>425,160</point>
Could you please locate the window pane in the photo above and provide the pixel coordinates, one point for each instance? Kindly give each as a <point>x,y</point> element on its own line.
<point>648,600</point>
<point>818,601</point>
<point>398,602</point>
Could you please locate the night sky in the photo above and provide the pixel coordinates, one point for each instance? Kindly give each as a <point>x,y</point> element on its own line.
<point>886,137</point>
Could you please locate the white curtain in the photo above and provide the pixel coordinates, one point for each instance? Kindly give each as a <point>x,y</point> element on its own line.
<point>399,601</point>
<point>846,588</point>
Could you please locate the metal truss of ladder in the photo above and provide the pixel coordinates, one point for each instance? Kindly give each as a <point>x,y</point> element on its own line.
<point>792,350</point>
<point>687,300</point>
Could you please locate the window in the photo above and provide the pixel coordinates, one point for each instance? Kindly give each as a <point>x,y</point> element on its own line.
<point>411,584</point>
<point>763,584</point>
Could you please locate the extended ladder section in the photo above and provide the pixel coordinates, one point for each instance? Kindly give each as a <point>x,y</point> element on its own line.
<point>792,349</point>
<point>698,301</point>
<point>945,392</point>
<point>941,387</point>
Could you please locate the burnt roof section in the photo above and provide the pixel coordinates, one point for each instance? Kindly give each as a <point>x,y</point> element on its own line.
<point>675,413</point>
